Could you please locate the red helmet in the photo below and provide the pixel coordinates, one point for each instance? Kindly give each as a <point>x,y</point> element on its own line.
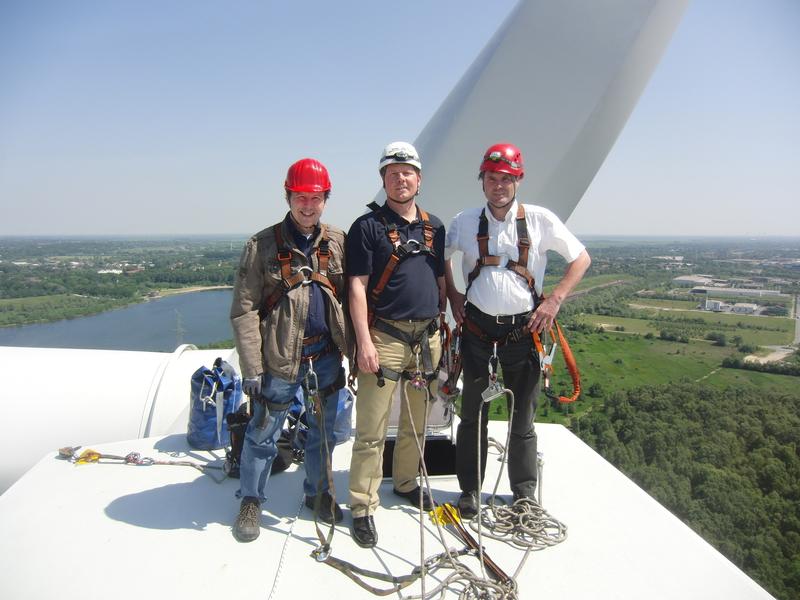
<point>503,158</point>
<point>307,175</point>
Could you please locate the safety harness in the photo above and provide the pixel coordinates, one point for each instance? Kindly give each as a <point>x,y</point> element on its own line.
<point>304,275</point>
<point>520,267</point>
<point>425,371</point>
<point>400,250</point>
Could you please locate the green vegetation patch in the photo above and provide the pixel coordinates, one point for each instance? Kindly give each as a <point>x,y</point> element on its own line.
<point>45,309</point>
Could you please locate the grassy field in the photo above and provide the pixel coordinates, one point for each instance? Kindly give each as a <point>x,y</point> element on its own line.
<point>679,304</point>
<point>615,361</point>
<point>757,331</point>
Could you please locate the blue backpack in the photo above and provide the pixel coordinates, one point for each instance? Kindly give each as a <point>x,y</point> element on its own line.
<point>216,392</point>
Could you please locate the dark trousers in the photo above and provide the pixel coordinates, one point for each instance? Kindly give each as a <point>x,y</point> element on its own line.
<point>520,373</point>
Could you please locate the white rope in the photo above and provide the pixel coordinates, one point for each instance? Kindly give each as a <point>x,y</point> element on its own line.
<point>283,552</point>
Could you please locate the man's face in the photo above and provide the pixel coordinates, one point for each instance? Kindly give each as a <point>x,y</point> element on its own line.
<point>401,182</point>
<point>499,188</point>
<point>306,208</point>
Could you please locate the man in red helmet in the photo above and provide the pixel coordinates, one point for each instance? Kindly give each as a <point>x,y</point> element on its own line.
<point>289,327</point>
<point>504,248</point>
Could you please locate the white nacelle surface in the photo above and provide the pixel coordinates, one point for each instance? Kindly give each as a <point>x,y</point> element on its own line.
<point>57,397</point>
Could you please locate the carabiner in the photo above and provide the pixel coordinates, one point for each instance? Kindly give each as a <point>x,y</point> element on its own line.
<point>306,269</point>
<point>418,378</point>
<point>321,553</point>
<point>312,383</point>
<point>493,360</point>
<point>416,244</point>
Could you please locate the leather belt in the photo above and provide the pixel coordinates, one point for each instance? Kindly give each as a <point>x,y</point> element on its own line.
<point>479,315</point>
<point>314,339</point>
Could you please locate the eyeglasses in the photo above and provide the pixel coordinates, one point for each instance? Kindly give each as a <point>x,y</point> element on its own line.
<point>497,157</point>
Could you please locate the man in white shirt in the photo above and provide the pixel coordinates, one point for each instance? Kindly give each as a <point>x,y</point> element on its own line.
<point>504,247</point>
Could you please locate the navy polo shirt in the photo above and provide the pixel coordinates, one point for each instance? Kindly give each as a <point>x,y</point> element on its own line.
<point>413,291</point>
<point>315,321</point>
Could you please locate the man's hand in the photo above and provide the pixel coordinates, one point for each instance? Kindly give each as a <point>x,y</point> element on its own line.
<point>456,299</point>
<point>544,316</point>
<point>252,386</point>
<point>367,357</point>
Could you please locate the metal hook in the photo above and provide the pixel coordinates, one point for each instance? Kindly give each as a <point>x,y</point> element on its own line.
<point>312,383</point>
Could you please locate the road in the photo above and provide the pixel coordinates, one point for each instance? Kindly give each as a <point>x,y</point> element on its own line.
<point>797,320</point>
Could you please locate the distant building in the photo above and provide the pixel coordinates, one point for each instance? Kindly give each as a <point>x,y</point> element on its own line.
<point>715,305</point>
<point>110,271</point>
<point>728,291</point>
<point>692,280</point>
<point>744,308</point>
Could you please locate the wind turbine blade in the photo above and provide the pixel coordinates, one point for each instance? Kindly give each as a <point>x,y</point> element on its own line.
<point>559,80</point>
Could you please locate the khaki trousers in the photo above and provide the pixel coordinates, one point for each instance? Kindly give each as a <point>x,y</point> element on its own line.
<point>373,406</point>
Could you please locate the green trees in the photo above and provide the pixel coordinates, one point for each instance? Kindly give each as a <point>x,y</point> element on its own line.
<point>726,462</point>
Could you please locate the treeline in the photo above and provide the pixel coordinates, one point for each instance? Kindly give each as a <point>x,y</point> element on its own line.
<point>778,368</point>
<point>725,462</point>
<point>54,308</point>
<point>24,283</point>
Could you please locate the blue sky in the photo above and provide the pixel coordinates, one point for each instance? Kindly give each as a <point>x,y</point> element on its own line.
<point>181,117</point>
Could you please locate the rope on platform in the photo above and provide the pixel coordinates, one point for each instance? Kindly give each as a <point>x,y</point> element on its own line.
<point>286,539</point>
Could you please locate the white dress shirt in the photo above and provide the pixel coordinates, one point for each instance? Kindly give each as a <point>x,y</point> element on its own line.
<point>498,290</point>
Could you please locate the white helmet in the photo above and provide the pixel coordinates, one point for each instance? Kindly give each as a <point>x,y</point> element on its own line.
<point>400,152</point>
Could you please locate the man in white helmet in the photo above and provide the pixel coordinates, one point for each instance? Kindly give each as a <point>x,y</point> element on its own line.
<point>395,271</point>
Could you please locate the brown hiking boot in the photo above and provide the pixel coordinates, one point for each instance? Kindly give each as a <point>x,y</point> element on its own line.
<point>248,523</point>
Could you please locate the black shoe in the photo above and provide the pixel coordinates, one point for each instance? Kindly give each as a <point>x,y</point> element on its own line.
<point>413,497</point>
<point>325,508</point>
<point>523,499</point>
<point>468,505</point>
<point>364,531</point>
<point>248,523</point>
<point>517,497</point>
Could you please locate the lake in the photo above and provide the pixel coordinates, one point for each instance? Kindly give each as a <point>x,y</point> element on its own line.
<point>157,325</point>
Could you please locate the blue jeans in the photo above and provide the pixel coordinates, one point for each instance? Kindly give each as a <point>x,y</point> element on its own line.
<point>260,445</point>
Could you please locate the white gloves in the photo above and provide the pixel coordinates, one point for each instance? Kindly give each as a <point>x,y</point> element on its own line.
<point>252,386</point>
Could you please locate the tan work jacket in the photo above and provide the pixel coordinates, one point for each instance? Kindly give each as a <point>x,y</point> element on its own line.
<point>272,341</point>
